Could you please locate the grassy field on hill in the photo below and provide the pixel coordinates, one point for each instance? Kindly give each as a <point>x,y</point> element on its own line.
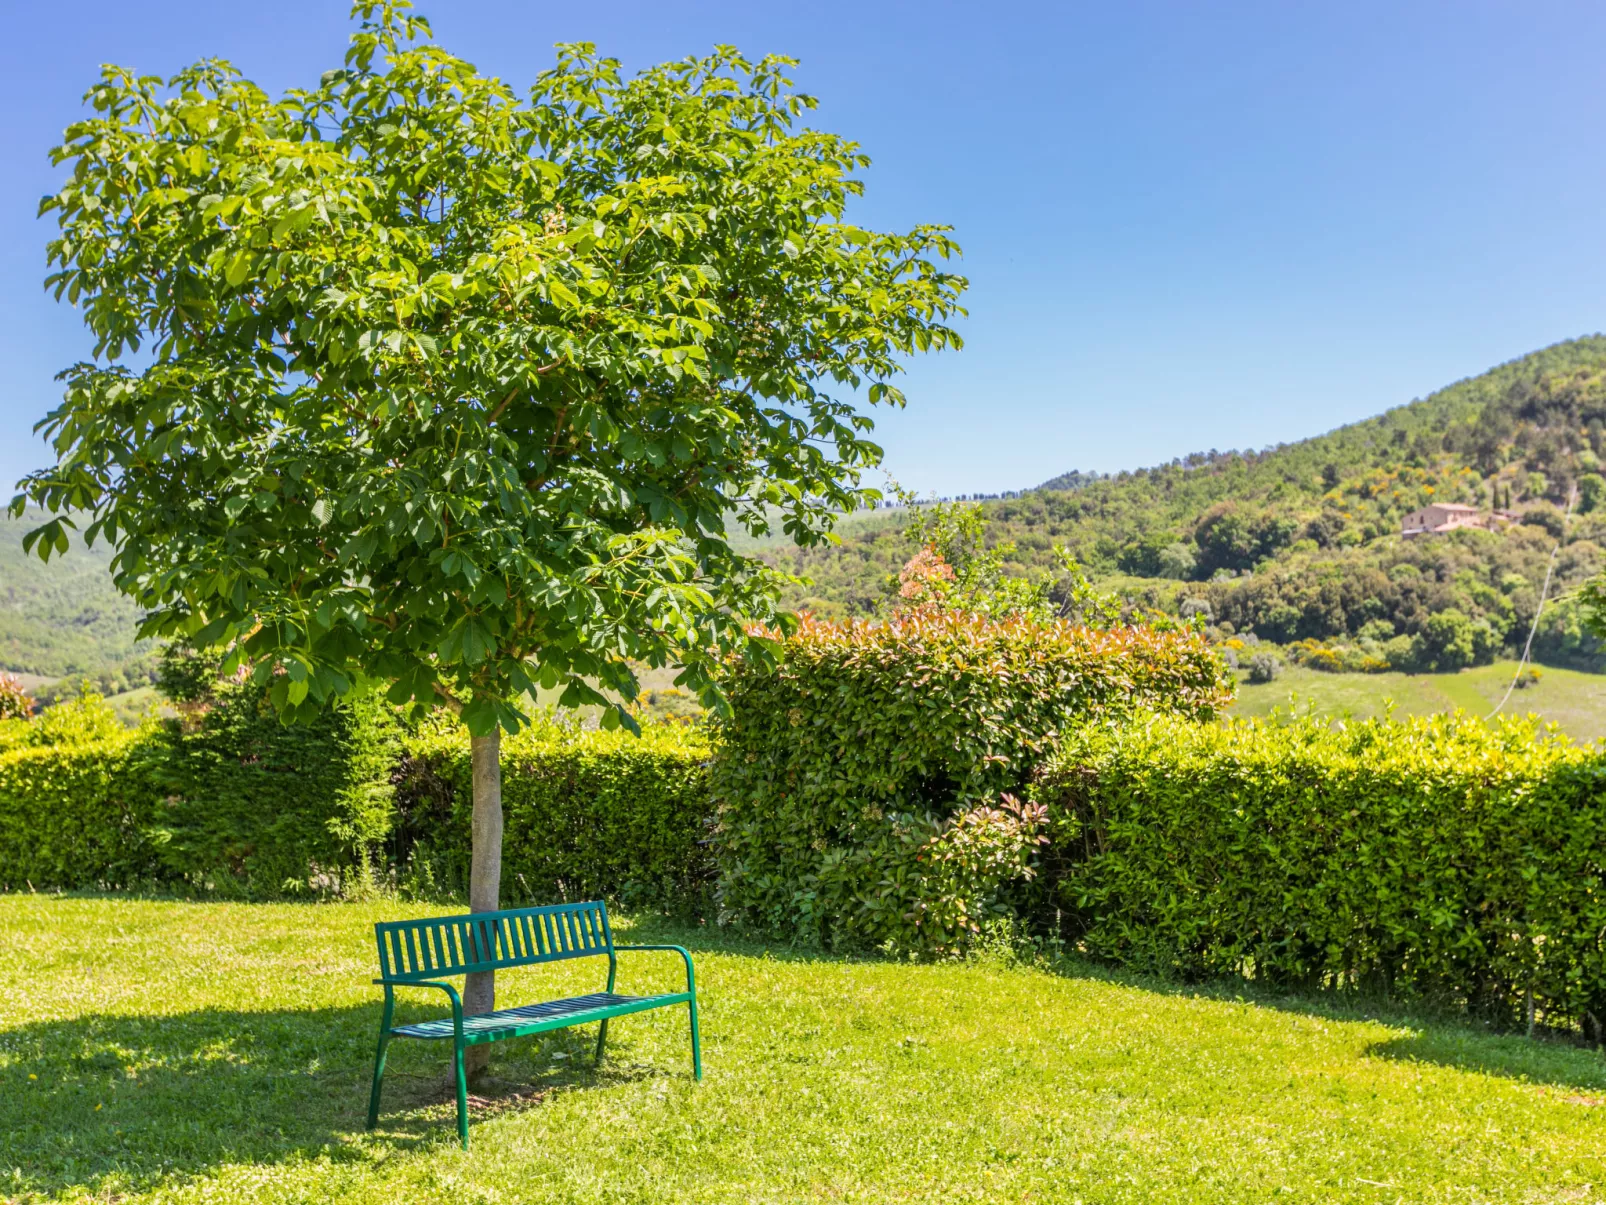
<point>183,1052</point>
<point>1575,701</point>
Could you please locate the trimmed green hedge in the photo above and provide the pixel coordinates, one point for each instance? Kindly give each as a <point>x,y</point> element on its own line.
<point>867,787</point>
<point>247,804</point>
<point>586,815</point>
<point>233,803</point>
<point>74,816</point>
<point>1430,857</point>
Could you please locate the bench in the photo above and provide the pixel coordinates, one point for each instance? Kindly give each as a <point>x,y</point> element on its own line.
<point>420,953</point>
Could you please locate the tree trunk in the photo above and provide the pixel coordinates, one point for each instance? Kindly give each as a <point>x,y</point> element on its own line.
<point>484,874</point>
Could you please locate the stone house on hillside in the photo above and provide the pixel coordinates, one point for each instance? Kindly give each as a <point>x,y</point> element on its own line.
<point>1445,516</point>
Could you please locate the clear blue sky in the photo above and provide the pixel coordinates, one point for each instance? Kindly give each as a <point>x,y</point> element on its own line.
<point>1186,225</point>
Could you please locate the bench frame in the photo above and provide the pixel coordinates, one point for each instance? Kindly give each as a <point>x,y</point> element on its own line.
<point>420,953</point>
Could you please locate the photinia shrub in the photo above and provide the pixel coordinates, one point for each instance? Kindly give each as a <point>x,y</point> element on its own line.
<point>15,702</point>
<point>864,785</point>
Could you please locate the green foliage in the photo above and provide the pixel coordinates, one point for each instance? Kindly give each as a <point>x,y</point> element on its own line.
<point>187,675</point>
<point>66,618</point>
<point>233,803</point>
<point>1263,667</point>
<point>15,702</point>
<point>1591,492</point>
<point>457,387</point>
<point>589,815</point>
<point>253,806</point>
<point>84,720</point>
<point>955,568</point>
<point>1229,539</point>
<point>865,786</point>
<point>1434,857</point>
<point>1449,640</point>
<point>74,815</point>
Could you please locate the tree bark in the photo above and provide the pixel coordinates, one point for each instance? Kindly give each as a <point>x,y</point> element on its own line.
<point>484,874</point>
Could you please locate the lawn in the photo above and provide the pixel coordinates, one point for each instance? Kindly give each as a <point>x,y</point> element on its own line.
<point>1576,701</point>
<point>187,1052</point>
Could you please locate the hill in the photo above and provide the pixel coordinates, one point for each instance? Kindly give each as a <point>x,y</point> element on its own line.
<point>1300,542</point>
<point>65,618</point>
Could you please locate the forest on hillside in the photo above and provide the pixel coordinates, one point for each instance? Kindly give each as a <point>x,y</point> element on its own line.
<point>1301,542</point>
<point>65,618</point>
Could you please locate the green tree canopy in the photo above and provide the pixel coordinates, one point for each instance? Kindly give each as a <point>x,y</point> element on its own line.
<point>459,389</point>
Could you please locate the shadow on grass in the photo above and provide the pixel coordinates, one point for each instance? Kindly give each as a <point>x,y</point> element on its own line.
<point>1439,1034</point>
<point>1553,1063</point>
<point>124,1103</point>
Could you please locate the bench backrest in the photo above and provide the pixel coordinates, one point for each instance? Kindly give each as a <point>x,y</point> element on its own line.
<point>410,950</point>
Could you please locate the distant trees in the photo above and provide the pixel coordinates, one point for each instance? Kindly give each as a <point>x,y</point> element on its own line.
<point>1231,539</point>
<point>1451,640</point>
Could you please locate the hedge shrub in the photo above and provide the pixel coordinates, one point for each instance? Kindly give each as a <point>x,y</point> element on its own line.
<point>248,805</point>
<point>868,786</point>
<point>1434,856</point>
<point>74,816</point>
<point>232,803</point>
<point>586,814</point>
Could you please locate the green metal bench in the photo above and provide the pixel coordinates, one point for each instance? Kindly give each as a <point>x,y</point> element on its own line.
<point>420,953</point>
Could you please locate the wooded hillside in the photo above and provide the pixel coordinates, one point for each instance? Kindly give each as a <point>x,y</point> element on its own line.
<point>1301,541</point>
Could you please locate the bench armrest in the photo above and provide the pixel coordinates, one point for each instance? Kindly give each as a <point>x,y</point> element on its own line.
<point>691,976</point>
<point>390,986</point>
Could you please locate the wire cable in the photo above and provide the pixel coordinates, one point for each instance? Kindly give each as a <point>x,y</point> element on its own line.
<point>1544,593</point>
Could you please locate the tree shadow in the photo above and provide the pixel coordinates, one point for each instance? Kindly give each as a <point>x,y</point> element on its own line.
<point>1440,1033</point>
<point>126,1103</point>
<point>1579,1073</point>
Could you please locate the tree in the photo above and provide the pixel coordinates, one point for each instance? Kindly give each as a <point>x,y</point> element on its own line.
<point>1591,492</point>
<point>458,393</point>
<point>1177,562</point>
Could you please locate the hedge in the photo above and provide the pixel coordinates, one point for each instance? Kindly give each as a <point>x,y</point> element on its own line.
<point>1430,857</point>
<point>248,805</point>
<point>868,786</point>
<point>231,803</point>
<point>586,814</point>
<point>73,816</point>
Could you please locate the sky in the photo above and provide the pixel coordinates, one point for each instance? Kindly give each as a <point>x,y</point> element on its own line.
<point>1186,226</point>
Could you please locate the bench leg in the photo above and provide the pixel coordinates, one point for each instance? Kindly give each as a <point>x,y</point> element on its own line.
<point>462,1094</point>
<point>602,1037</point>
<point>696,1047</point>
<point>379,1061</point>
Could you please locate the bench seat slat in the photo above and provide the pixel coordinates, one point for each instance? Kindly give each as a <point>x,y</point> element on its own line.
<point>538,1018</point>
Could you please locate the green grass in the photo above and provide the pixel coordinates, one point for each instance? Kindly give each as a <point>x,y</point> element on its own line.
<point>1575,701</point>
<point>220,1052</point>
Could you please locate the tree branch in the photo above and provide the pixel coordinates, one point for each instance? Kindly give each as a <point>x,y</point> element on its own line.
<point>513,393</point>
